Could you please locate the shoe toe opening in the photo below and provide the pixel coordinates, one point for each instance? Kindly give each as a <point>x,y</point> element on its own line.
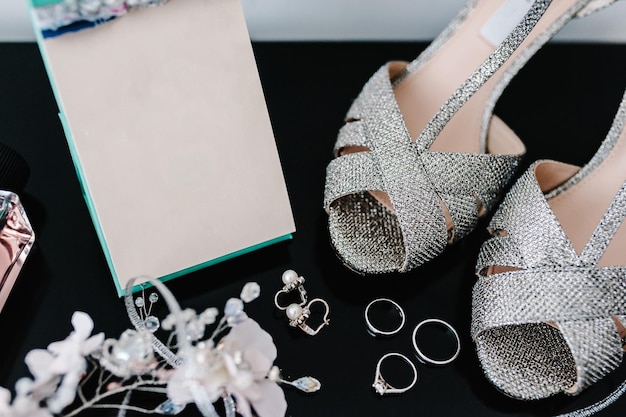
<point>527,361</point>
<point>365,234</point>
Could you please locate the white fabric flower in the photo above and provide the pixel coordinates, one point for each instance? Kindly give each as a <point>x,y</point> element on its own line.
<point>202,373</point>
<point>239,365</point>
<point>45,381</point>
<point>56,373</point>
<point>5,402</point>
<point>22,406</point>
<point>248,352</point>
<point>69,359</point>
<point>69,354</point>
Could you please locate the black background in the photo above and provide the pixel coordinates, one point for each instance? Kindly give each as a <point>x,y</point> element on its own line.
<point>561,104</point>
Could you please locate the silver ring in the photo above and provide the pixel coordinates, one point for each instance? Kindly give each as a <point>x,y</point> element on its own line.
<point>379,332</point>
<point>432,361</point>
<point>382,387</point>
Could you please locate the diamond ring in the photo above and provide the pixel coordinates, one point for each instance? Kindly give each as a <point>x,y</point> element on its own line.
<point>382,387</point>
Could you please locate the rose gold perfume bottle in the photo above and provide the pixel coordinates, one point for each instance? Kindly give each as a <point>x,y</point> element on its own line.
<point>16,233</point>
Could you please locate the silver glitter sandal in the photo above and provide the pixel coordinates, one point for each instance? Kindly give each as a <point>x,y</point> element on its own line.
<point>549,306</point>
<point>418,162</point>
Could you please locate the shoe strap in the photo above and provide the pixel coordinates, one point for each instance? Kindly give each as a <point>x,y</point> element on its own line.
<point>599,405</point>
<point>529,225</point>
<point>580,301</point>
<point>606,229</point>
<point>481,75</point>
<point>535,238</point>
<point>542,295</point>
<point>593,7</point>
<point>601,238</point>
<point>613,136</point>
<point>496,60</point>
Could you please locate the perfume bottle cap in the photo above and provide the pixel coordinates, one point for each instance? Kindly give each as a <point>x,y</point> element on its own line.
<point>14,170</point>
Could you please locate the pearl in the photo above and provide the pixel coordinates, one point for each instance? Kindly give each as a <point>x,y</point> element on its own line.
<point>289,276</point>
<point>293,311</point>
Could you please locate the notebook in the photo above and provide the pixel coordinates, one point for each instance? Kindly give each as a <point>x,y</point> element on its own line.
<point>168,128</point>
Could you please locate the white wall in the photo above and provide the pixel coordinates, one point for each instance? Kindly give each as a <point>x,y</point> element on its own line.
<point>313,20</point>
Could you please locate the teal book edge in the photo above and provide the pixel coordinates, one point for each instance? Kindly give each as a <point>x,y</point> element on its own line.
<point>121,291</point>
<point>79,171</point>
<point>42,3</point>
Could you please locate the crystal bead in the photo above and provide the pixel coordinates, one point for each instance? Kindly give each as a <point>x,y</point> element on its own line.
<point>152,323</point>
<point>236,319</point>
<point>250,292</point>
<point>195,330</point>
<point>234,307</point>
<point>307,384</point>
<point>128,355</point>
<point>170,408</point>
<point>209,315</point>
<point>139,302</point>
<point>154,297</point>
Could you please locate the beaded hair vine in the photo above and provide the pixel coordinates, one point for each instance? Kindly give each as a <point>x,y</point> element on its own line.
<point>231,371</point>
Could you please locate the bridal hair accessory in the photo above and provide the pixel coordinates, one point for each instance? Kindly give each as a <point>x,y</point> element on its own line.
<point>384,302</point>
<point>440,323</point>
<point>299,312</point>
<point>55,18</point>
<point>234,364</point>
<point>381,386</point>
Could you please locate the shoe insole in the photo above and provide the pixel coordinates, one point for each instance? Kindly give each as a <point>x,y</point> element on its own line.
<point>422,93</point>
<point>580,208</point>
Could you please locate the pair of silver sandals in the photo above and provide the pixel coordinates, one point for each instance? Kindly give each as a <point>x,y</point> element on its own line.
<point>422,157</point>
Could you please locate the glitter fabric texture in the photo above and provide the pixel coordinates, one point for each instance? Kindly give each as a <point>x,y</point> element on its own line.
<point>371,237</point>
<point>546,327</point>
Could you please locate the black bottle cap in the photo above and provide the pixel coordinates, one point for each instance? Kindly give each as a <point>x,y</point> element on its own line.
<point>14,170</point>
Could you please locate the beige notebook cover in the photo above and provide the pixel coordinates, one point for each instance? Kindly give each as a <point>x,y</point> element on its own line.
<point>170,134</point>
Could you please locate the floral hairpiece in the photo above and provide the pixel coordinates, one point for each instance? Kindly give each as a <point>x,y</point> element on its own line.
<point>72,15</point>
<point>234,364</point>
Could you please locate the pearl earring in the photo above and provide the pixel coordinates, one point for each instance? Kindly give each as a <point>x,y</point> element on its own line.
<point>299,313</point>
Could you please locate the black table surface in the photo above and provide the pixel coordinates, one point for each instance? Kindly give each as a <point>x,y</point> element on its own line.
<point>561,104</point>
